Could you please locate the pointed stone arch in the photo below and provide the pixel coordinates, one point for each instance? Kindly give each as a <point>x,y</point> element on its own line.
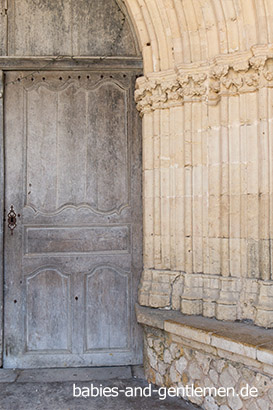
<point>173,32</point>
<point>207,137</point>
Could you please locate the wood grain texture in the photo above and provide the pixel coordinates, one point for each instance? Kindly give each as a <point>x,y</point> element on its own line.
<point>1,213</point>
<point>73,173</point>
<point>86,28</point>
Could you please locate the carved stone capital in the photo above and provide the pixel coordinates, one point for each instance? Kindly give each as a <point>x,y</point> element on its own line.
<point>230,74</point>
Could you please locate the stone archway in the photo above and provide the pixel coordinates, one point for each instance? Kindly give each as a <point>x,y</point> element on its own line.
<point>205,102</point>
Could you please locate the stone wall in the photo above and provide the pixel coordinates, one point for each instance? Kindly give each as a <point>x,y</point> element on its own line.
<point>168,362</point>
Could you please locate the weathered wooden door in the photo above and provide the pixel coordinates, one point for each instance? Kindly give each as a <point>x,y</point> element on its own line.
<point>73,261</point>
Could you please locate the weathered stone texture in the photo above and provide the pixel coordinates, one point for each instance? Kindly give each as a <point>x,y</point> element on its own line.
<point>207,154</point>
<point>198,368</point>
<point>207,193</point>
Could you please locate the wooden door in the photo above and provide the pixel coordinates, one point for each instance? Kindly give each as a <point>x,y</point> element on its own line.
<point>73,262</point>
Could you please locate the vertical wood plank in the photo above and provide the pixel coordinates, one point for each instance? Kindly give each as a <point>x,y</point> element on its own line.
<point>1,212</point>
<point>3,27</point>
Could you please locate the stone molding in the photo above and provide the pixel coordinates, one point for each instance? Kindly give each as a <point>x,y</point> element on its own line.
<point>230,74</point>
<point>225,298</point>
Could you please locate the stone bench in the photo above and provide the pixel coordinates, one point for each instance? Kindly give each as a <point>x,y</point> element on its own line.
<point>212,353</point>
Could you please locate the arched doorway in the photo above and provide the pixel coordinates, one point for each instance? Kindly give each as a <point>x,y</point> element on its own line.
<point>73,256</point>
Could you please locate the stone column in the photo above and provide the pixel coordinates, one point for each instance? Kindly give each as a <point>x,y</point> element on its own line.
<point>207,172</point>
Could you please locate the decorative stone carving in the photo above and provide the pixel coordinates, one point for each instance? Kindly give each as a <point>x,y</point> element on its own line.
<point>225,75</point>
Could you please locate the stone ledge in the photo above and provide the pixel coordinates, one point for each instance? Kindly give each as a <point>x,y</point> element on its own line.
<point>242,340</point>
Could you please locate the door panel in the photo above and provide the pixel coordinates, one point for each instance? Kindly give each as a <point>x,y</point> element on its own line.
<point>73,175</point>
<point>109,328</point>
<point>48,312</point>
<point>86,152</point>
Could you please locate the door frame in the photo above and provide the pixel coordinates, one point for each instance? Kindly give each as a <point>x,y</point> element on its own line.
<point>35,64</point>
<point>2,198</point>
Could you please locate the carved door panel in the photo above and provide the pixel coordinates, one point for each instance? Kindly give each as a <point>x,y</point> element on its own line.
<point>73,262</point>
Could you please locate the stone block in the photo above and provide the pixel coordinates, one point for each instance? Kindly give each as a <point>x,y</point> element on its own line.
<point>235,403</point>
<point>209,308</point>
<point>267,369</point>
<point>233,372</point>
<point>159,380</point>
<point>191,307</point>
<point>195,371</point>
<point>226,379</point>
<point>203,361</point>
<point>232,346</point>
<point>8,375</point>
<point>174,375</point>
<point>226,312</point>
<point>187,332</point>
<point>192,344</point>
<point>236,358</point>
<point>263,404</point>
<point>175,350</point>
<point>210,404</point>
<point>264,317</point>
<point>162,367</point>
<point>159,300</point>
<point>152,358</point>
<point>262,383</point>
<point>158,347</point>
<point>213,375</point>
<point>265,353</point>
<point>143,298</point>
<point>167,357</point>
<point>150,341</point>
<point>181,365</point>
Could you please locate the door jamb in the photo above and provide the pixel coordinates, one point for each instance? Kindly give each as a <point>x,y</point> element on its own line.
<point>2,187</point>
